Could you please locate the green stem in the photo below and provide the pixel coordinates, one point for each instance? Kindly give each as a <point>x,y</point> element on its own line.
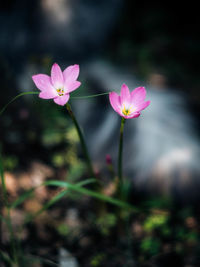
<point>82,141</point>
<point>89,96</point>
<point>36,93</point>
<point>120,154</point>
<point>14,98</point>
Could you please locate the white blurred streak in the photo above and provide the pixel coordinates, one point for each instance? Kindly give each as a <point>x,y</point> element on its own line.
<point>58,12</point>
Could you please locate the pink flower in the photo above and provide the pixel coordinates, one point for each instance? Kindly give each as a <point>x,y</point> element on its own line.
<point>59,85</point>
<point>129,104</point>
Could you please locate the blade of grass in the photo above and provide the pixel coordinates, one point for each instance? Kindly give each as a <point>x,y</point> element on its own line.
<point>5,258</point>
<point>87,181</point>
<point>29,193</point>
<point>91,193</point>
<point>58,196</point>
<point>22,198</point>
<point>37,259</point>
<point>47,205</point>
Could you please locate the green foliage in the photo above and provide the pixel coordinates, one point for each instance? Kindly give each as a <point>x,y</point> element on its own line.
<point>192,237</point>
<point>150,246</point>
<point>166,230</point>
<point>157,203</point>
<point>185,235</point>
<point>72,136</point>
<point>155,221</point>
<point>52,138</point>
<point>106,222</point>
<point>181,233</point>
<point>75,172</point>
<point>63,229</point>
<point>66,132</point>
<point>10,162</point>
<point>68,155</point>
<point>96,261</point>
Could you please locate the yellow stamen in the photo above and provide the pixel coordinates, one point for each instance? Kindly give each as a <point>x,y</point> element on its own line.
<point>126,111</point>
<point>60,91</point>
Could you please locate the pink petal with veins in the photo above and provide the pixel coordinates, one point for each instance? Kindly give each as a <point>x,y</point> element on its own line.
<point>115,102</point>
<point>71,73</point>
<point>125,95</point>
<point>61,100</point>
<point>57,76</point>
<point>138,95</point>
<point>72,86</point>
<point>42,81</point>
<point>143,105</point>
<point>47,94</point>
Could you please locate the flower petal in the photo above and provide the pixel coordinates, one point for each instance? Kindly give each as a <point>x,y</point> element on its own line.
<point>134,115</point>
<point>42,81</point>
<point>57,76</point>
<point>125,95</point>
<point>142,105</point>
<point>71,73</point>
<point>71,87</point>
<point>115,102</point>
<point>47,94</point>
<point>138,95</point>
<point>61,100</point>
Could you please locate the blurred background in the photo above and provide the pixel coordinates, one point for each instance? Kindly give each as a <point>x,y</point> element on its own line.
<point>155,45</point>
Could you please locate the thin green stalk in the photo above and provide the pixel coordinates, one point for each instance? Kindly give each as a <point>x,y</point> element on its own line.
<point>82,141</point>
<point>36,93</point>
<point>89,96</point>
<point>14,98</point>
<point>123,220</point>
<point>120,153</point>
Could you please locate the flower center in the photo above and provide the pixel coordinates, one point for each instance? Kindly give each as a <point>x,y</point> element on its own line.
<point>60,91</point>
<point>127,111</point>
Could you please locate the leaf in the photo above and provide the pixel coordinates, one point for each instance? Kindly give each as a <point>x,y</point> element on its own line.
<point>47,205</point>
<point>5,258</point>
<point>65,184</point>
<point>22,198</point>
<point>84,191</point>
<point>58,196</point>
